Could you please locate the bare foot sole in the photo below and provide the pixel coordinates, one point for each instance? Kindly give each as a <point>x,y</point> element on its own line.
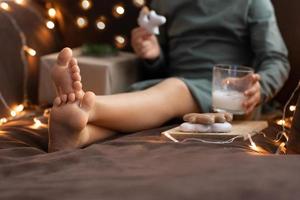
<point>68,121</point>
<point>66,77</point>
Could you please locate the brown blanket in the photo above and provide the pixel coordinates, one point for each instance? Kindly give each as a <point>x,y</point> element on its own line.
<point>142,166</point>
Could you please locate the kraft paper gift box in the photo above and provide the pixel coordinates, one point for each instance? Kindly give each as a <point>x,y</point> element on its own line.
<point>102,75</point>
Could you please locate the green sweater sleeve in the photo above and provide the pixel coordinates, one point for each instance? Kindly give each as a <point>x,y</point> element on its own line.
<point>270,52</point>
<point>157,64</point>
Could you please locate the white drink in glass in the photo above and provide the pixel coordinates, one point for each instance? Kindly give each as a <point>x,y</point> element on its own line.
<point>230,101</point>
<point>228,87</point>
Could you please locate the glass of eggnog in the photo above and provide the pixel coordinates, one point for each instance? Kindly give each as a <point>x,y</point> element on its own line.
<point>228,86</point>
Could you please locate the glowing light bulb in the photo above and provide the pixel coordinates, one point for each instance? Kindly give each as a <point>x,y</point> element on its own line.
<point>82,22</point>
<point>85,4</point>
<point>13,113</point>
<point>50,24</point>
<point>20,2</point>
<point>139,3</point>
<point>118,10</point>
<point>3,121</point>
<point>29,50</point>
<point>19,108</point>
<point>292,108</point>
<point>281,122</point>
<point>4,6</point>
<point>120,41</point>
<point>101,23</point>
<point>52,12</point>
<point>37,123</point>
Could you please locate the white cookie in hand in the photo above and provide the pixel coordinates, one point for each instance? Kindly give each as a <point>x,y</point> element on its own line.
<point>150,20</point>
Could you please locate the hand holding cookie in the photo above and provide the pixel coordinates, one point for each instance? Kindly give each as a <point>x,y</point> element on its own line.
<point>150,20</point>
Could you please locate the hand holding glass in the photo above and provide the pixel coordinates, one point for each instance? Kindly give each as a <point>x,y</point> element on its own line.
<point>229,84</point>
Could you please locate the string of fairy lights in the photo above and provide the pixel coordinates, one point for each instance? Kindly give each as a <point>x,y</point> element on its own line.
<point>120,41</point>
<point>25,49</point>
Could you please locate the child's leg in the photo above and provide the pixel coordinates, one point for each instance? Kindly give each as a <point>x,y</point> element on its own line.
<point>146,109</point>
<point>70,123</point>
<point>126,112</point>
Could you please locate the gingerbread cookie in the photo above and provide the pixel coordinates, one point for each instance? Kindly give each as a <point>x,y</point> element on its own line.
<point>207,118</point>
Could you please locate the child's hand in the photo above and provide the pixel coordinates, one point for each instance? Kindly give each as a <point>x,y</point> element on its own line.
<point>253,94</point>
<point>144,44</point>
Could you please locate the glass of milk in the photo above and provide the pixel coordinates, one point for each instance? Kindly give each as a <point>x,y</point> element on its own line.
<point>228,87</point>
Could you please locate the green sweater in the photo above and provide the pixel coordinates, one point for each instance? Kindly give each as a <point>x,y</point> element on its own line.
<point>202,33</point>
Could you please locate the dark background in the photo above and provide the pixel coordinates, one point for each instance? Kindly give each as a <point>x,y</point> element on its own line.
<point>67,33</point>
<point>288,19</point>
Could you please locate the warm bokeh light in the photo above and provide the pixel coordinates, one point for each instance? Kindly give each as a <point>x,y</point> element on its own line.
<point>20,2</point>
<point>281,122</point>
<point>120,41</point>
<point>13,113</point>
<point>101,23</point>
<point>4,6</point>
<point>29,50</point>
<point>292,108</point>
<point>50,24</point>
<point>52,12</point>
<point>82,22</point>
<point>85,4</point>
<point>37,124</point>
<point>118,10</point>
<point>3,121</point>
<point>19,108</point>
<point>139,3</point>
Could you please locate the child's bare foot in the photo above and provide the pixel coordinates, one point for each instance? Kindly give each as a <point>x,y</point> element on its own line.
<point>66,76</point>
<point>68,121</point>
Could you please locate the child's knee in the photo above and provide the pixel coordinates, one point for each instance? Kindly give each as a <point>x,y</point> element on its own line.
<point>178,84</point>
